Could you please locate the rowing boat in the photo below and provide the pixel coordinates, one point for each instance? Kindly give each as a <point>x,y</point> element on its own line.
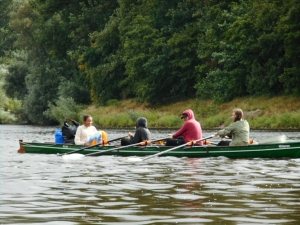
<point>286,149</point>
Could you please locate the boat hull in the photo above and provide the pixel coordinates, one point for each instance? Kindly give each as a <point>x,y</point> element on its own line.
<point>290,149</point>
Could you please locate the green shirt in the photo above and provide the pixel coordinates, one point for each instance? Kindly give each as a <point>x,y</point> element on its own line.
<point>238,131</point>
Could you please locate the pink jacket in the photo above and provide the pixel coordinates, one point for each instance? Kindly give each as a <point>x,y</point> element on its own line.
<point>191,129</point>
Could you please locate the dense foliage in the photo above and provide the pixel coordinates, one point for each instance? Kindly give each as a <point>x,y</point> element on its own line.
<point>157,51</point>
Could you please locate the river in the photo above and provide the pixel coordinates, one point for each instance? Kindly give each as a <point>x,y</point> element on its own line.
<point>46,189</point>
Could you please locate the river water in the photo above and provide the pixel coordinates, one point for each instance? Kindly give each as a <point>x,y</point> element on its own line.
<point>46,189</point>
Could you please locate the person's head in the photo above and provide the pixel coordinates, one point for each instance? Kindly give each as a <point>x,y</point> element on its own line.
<point>187,115</point>
<point>184,116</point>
<point>237,114</point>
<point>141,122</point>
<point>87,120</point>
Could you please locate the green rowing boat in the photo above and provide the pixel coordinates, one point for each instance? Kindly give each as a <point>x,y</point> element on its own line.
<point>286,149</point>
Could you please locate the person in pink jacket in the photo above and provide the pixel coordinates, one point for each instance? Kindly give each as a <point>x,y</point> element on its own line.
<point>190,131</point>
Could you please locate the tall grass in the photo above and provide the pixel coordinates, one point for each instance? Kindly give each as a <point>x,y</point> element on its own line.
<point>261,113</point>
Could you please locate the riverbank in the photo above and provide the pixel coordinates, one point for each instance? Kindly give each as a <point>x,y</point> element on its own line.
<point>261,113</point>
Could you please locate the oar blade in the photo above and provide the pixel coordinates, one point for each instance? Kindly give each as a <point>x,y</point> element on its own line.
<point>74,156</point>
<point>134,159</point>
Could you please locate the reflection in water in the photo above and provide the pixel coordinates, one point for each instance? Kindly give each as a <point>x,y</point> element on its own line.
<point>45,189</point>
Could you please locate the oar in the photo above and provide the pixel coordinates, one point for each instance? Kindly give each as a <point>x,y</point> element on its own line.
<point>205,142</point>
<point>103,142</point>
<point>116,139</point>
<point>125,146</point>
<point>180,146</point>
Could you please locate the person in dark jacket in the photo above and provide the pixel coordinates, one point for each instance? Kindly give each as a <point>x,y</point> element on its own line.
<point>142,133</point>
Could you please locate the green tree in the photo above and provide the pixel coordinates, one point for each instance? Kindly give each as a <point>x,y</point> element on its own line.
<point>265,49</point>
<point>102,63</point>
<point>54,35</point>
<point>6,38</point>
<point>289,28</point>
<point>41,78</point>
<point>159,51</point>
<point>249,57</point>
<point>15,86</point>
<point>215,78</point>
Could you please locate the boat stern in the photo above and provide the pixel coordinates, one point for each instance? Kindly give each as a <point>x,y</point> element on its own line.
<point>22,149</point>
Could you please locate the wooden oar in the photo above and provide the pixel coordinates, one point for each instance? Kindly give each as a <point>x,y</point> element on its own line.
<point>103,142</point>
<point>116,139</point>
<point>180,146</point>
<point>125,146</point>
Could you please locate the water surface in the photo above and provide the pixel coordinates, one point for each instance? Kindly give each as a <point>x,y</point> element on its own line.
<point>46,189</point>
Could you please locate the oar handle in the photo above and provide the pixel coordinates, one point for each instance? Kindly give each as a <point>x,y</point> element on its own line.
<point>146,143</point>
<point>125,146</point>
<point>116,139</point>
<point>171,149</point>
<point>109,150</point>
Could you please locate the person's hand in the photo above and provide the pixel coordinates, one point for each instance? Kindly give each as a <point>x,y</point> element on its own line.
<point>130,134</point>
<point>215,135</point>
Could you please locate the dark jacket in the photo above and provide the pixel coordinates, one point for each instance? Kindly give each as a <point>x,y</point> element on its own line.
<point>142,133</point>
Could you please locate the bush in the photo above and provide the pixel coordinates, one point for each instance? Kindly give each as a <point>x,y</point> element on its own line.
<point>64,108</point>
<point>6,117</point>
<point>113,102</point>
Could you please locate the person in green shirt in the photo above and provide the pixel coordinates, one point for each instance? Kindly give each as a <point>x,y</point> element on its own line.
<point>238,130</point>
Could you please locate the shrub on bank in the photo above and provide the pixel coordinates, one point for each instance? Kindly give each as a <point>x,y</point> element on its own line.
<point>261,113</point>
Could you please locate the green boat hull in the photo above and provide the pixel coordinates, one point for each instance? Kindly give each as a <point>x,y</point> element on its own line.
<point>289,149</point>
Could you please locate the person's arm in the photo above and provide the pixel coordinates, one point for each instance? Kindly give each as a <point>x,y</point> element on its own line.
<point>141,134</point>
<point>226,131</point>
<point>181,131</point>
<point>136,138</point>
<point>78,136</point>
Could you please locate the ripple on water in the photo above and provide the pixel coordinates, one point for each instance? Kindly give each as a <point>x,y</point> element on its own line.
<point>45,189</point>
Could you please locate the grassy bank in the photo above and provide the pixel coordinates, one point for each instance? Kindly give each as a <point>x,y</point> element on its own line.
<point>261,113</point>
